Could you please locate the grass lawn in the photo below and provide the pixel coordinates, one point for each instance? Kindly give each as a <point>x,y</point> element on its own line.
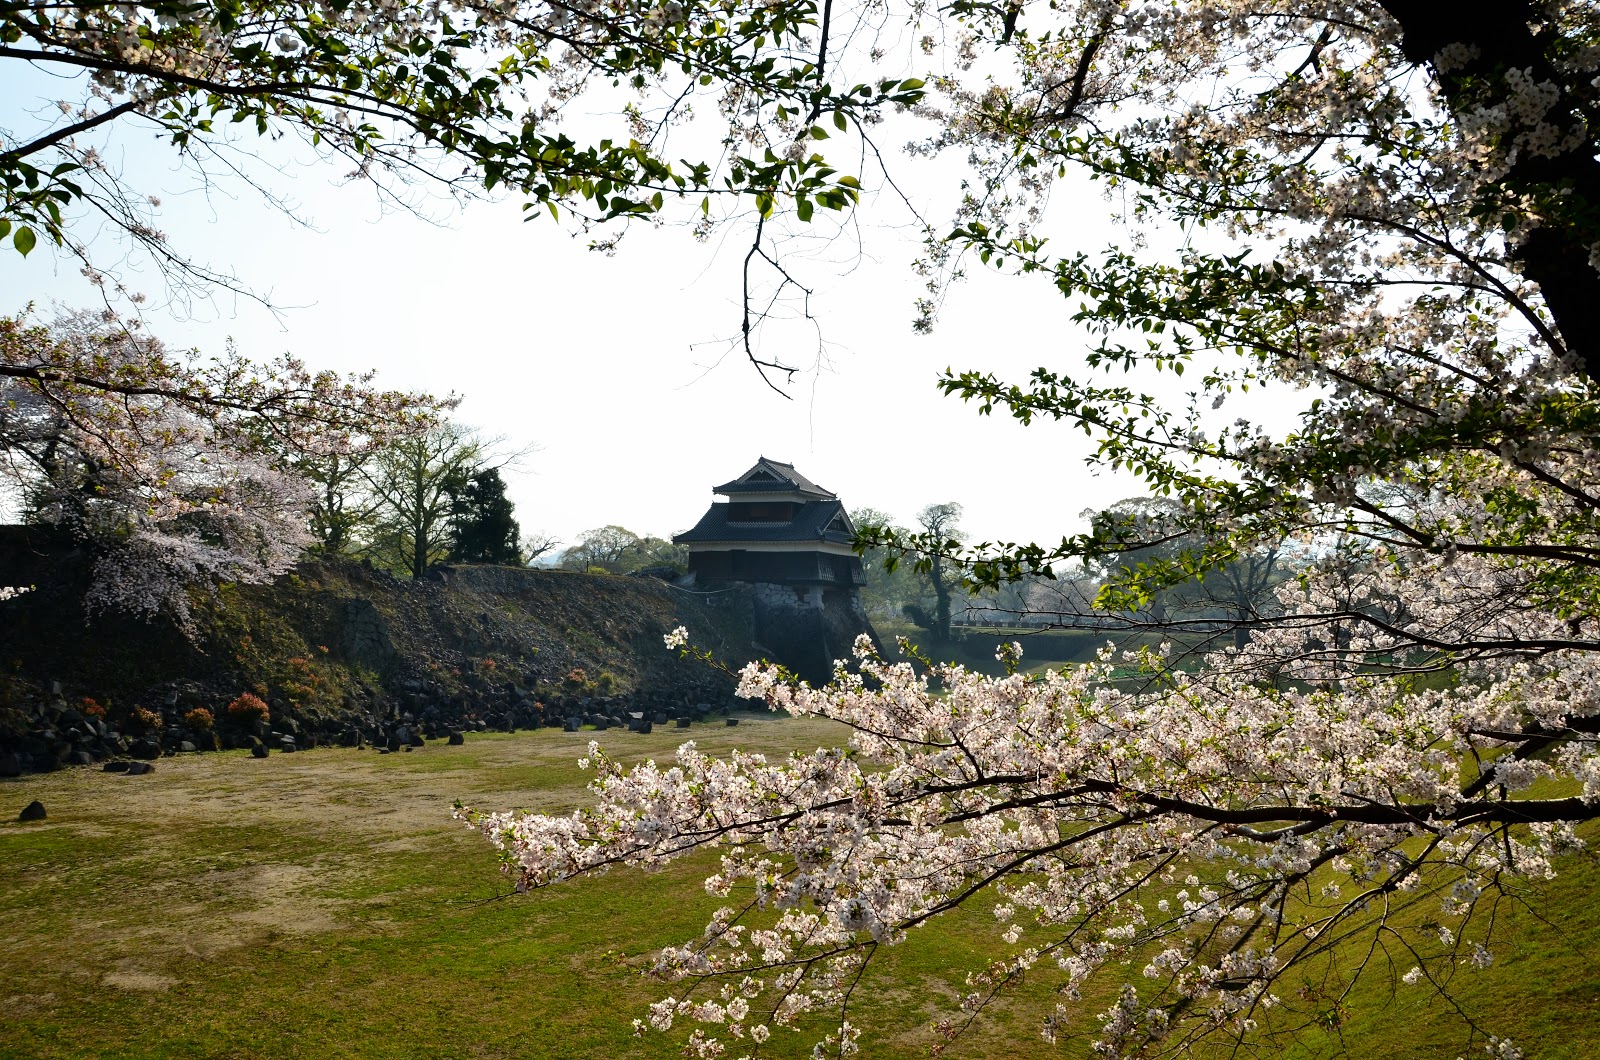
<point>324,904</point>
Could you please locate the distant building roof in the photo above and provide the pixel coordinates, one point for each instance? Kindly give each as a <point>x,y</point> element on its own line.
<point>772,476</point>
<point>822,520</point>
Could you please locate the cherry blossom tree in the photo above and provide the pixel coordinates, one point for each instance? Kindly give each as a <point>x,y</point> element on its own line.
<point>1389,214</point>
<point>180,472</point>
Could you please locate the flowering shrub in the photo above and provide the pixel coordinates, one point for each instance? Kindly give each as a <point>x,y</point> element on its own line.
<point>576,679</point>
<point>148,720</point>
<point>91,707</point>
<point>248,709</point>
<point>199,718</point>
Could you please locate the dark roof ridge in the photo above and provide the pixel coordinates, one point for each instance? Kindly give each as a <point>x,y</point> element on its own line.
<point>787,479</point>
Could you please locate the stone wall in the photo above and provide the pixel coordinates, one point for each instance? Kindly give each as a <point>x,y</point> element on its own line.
<point>340,652</point>
<point>807,629</point>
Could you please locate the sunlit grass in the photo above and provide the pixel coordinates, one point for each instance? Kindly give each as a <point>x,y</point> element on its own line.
<point>325,904</point>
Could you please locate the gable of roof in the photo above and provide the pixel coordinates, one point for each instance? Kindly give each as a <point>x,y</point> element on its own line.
<point>773,476</point>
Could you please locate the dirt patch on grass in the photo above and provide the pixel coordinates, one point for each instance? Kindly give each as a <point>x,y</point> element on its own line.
<point>282,898</point>
<point>139,982</point>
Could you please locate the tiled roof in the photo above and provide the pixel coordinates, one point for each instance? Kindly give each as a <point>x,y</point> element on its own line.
<point>809,524</point>
<point>773,476</point>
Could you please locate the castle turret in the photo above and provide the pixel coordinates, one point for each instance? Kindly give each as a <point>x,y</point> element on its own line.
<point>778,528</point>
<point>788,540</point>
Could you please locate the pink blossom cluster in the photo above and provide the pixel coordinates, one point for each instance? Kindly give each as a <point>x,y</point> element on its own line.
<point>182,471</point>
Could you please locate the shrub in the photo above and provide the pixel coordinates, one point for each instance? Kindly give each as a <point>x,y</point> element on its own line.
<point>248,708</point>
<point>199,718</point>
<point>302,681</point>
<point>146,719</point>
<point>576,678</point>
<point>606,682</point>
<point>92,708</point>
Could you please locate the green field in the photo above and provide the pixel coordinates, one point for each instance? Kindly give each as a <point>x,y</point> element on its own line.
<point>325,904</point>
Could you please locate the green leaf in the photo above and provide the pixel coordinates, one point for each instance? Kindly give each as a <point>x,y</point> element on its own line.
<point>838,121</point>
<point>24,240</point>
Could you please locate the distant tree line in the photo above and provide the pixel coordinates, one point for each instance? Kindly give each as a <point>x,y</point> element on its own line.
<point>617,550</point>
<point>927,594</point>
<point>409,503</point>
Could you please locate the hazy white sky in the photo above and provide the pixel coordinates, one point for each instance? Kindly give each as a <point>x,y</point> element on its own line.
<point>618,369</point>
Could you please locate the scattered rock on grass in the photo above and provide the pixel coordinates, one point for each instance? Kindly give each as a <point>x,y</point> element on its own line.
<point>34,811</point>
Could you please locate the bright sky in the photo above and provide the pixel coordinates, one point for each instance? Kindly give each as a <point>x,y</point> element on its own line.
<point>618,369</point>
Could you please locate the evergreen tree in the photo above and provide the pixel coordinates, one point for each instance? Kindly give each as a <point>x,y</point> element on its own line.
<point>482,527</point>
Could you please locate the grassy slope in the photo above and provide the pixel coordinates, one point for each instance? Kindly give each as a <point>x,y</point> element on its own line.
<point>324,904</point>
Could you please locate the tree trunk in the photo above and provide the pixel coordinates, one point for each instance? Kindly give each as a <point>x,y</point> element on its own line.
<point>941,595</point>
<point>1554,255</point>
<point>419,538</point>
